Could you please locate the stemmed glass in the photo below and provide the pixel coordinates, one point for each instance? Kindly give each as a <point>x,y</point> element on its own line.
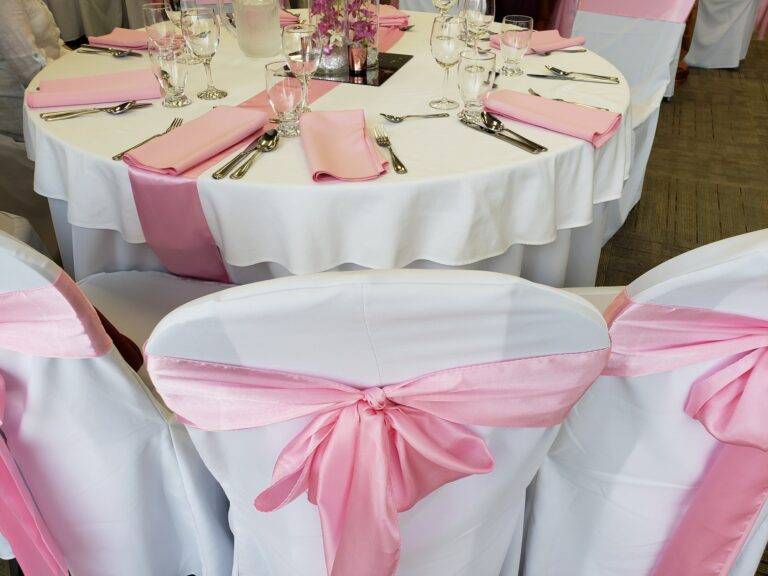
<point>302,47</point>
<point>477,71</point>
<point>479,15</point>
<point>515,38</point>
<point>442,6</point>
<point>447,40</point>
<point>285,96</point>
<point>202,34</point>
<point>166,54</point>
<point>176,8</point>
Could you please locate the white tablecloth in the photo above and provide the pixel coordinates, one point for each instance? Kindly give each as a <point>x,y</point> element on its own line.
<point>467,197</point>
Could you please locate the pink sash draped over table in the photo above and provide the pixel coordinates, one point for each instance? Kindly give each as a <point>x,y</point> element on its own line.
<point>666,10</point>
<point>54,321</point>
<point>164,179</point>
<point>729,401</point>
<point>367,454</point>
<point>594,126</point>
<point>98,89</point>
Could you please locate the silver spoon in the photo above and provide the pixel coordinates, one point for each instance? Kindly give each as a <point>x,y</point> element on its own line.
<point>397,119</point>
<point>533,92</point>
<point>560,72</point>
<point>566,51</point>
<point>114,110</point>
<point>266,143</point>
<point>490,121</point>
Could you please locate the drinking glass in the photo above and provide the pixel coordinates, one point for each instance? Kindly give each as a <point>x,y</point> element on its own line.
<point>302,47</point>
<point>477,71</point>
<point>515,38</point>
<point>202,34</point>
<point>285,95</point>
<point>443,6</point>
<point>175,8</point>
<point>447,41</point>
<point>167,55</point>
<point>479,15</point>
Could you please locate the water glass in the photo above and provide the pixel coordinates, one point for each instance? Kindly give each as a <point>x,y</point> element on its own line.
<point>167,55</point>
<point>443,6</point>
<point>447,40</point>
<point>477,72</point>
<point>302,48</point>
<point>200,28</point>
<point>479,15</point>
<point>285,95</point>
<point>174,9</point>
<point>515,38</point>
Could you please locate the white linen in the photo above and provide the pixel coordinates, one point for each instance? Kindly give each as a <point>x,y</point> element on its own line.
<point>387,326</point>
<point>628,456</point>
<point>722,34</point>
<point>117,481</point>
<point>466,198</point>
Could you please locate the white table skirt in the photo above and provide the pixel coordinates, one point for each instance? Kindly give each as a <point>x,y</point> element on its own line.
<point>722,34</point>
<point>466,198</point>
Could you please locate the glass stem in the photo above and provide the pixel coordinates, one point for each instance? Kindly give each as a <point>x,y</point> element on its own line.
<point>446,80</point>
<point>208,73</point>
<point>304,91</point>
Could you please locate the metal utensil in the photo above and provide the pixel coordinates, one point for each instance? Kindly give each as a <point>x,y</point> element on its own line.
<point>115,110</point>
<point>500,136</point>
<point>492,123</point>
<point>567,51</point>
<point>382,139</point>
<point>397,119</point>
<point>533,92</point>
<point>175,124</point>
<point>115,52</point>
<point>229,166</point>
<point>569,78</point>
<point>561,72</point>
<point>266,143</point>
<point>406,28</point>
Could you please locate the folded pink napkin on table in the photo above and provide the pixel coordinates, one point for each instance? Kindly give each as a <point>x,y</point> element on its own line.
<point>286,18</point>
<point>544,41</point>
<point>100,89</point>
<point>595,126</point>
<point>389,16</point>
<point>121,38</point>
<point>197,141</point>
<point>338,146</point>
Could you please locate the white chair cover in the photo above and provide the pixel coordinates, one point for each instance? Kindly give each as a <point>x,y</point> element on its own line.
<point>372,328</point>
<point>722,34</point>
<point>627,456</point>
<point>117,482</point>
<point>20,228</point>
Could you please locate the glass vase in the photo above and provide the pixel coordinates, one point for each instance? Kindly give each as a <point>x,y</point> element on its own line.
<point>330,17</point>
<point>363,27</point>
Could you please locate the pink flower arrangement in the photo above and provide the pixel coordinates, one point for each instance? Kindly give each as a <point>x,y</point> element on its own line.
<point>361,21</point>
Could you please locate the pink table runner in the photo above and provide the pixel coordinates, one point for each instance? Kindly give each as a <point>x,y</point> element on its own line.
<point>169,207</point>
<point>667,10</point>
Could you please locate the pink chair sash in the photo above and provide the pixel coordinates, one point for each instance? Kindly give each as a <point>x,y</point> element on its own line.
<point>563,16</point>
<point>729,401</point>
<point>667,10</point>
<point>761,20</point>
<point>55,321</point>
<point>370,453</point>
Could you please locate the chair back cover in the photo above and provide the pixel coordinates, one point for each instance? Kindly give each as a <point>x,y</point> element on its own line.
<point>118,486</point>
<point>370,330</point>
<point>634,484</point>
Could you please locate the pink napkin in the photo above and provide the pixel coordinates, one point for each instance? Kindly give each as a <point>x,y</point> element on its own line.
<point>121,38</point>
<point>595,126</point>
<point>100,89</point>
<point>197,141</point>
<point>389,16</point>
<point>338,146</point>
<point>544,41</point>
<point>286,18</point>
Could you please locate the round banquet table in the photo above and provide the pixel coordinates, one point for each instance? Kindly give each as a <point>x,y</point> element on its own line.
<point>468,199</point>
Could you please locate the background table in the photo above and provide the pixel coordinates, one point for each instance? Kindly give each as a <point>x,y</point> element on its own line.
<point>468,199</point>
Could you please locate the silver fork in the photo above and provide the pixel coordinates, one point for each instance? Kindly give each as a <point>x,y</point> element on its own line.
<point>175,124</point>
<point>383,140</point>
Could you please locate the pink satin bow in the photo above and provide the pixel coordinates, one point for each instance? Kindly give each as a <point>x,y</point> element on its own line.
<point>368,454</point>
<point>55,321</point>
<point>729,400</point>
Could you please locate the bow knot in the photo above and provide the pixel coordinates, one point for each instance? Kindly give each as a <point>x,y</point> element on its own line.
<point>375,397</point>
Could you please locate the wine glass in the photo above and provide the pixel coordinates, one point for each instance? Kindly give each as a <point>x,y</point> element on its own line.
<point>447,41</point>
<point>166,55</point>
<point>515,38</point>
<point>285,95</point>
<point>302,48</point>
<point>175,8</point>
<point>443,6</point>
<point>200,28</point>
<point>477,71</point>
<point>479,15</point>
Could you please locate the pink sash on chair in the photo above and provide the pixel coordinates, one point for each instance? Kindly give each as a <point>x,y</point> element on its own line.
<point>665,10</point>
<point>55,321</point>
<point>729,401</point>
<point>370,453</point>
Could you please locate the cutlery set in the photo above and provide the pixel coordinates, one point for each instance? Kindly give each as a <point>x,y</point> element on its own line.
<point>175,124</point>
<point>114,110</point>
<point>264,143</point>
<point>105,51</point>
<point>558,74</point>
<point>533,92</point>
<point>492,126</point>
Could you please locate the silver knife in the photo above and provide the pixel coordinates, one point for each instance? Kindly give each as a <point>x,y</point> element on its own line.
<point>229,166</point>
<point>128,51</point>
<point>565,78</point>
<point>503,137</point>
